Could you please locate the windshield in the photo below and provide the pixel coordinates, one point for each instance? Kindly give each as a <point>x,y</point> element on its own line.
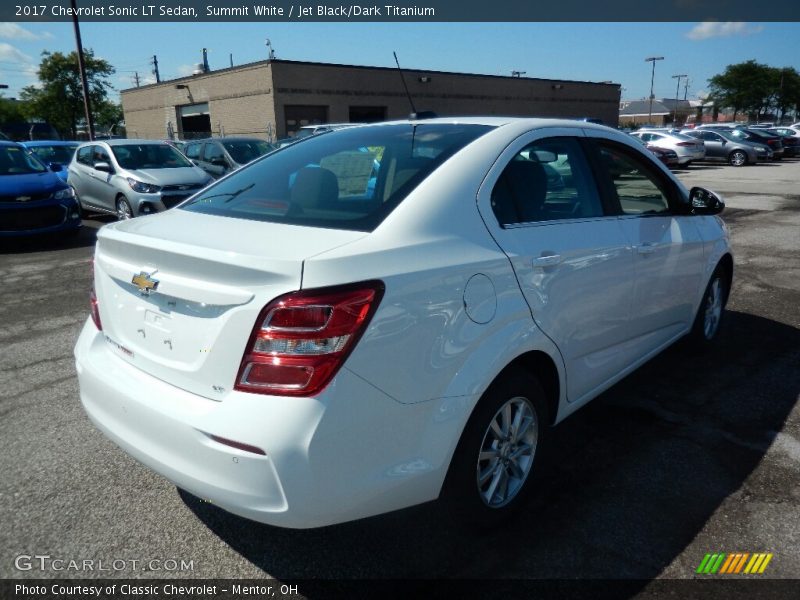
<point>14,160</point>
<point>243,151</point>
<point>149,156</point>
<point>54,154</point>
<point>348,179</point>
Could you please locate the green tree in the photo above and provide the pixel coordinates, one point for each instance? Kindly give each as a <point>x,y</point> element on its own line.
<point>59,97</point>
<point>744,87</point>
<point>11,111</point>
<point>108,116</point>
<point>787,95</point>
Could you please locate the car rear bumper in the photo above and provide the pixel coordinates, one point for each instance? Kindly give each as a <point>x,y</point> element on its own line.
<point>350,453</point>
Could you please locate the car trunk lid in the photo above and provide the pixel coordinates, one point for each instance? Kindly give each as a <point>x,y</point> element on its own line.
<point>180,292</point>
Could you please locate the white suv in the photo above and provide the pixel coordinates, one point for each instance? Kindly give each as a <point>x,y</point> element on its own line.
<point>389,313</point>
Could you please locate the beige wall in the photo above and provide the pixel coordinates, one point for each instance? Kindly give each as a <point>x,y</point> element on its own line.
<point>448,94</point>
<point>244,99</point>
<point>240,101</point>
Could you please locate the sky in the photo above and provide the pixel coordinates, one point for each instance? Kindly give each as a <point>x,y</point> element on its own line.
<point>572,51</point>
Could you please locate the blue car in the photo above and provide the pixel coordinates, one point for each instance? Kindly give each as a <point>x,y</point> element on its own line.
<point>53,152</point>
<point>33,198</point>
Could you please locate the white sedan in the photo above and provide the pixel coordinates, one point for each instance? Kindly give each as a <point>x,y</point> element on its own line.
<point>391,313</point>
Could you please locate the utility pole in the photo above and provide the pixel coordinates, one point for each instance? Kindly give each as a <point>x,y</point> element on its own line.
<point>686,88</point>
<point>653,60</point>
<point>136,78</point>
<point>677,91</point>
<point>155,69</point>
<point>87,107</point>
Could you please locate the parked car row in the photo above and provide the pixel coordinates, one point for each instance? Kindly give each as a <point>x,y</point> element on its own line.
<point>733,144</point>
<point>33,195</point>
<point>129,178</point>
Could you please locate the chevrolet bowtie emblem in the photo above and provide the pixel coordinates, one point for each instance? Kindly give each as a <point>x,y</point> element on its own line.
<point>145,283</point>
<point>23,198</point>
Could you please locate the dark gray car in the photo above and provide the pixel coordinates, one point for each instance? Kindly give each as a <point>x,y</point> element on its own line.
<point>721,146</point>
<point>218,157</point>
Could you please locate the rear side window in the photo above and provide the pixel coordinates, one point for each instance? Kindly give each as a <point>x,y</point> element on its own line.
<point>546,181</point>
<point>346,179</point>
<point>85,155</point>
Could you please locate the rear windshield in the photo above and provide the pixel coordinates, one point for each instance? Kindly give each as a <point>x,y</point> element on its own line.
<point>346,179</point>
<point>54,154</point>
<point>15,161</point>
<point>149,156</point>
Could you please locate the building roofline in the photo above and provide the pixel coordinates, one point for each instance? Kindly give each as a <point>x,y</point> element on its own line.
<point>364,67</point>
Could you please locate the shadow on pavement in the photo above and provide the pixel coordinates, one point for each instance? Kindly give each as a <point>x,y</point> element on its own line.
<point>86,236</point>
<point>640,471</point>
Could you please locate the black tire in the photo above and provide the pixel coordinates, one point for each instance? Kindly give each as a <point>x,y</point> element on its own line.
<point>124,210</point>
<point>708,320</point>
<point>81,211</point>
<point>463,496</point>
<point>737,158</point>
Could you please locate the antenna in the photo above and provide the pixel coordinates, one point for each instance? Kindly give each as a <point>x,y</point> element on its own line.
<point>271,51</point>
<point>410,101</point>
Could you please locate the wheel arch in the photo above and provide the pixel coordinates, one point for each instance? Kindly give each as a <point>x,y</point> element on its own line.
<point>543,367</point>
<point>726,262</point>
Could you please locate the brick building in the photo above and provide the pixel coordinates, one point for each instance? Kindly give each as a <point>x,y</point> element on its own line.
<point>274,98</point>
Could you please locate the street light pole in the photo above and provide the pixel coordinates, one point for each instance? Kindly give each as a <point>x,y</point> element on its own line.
<point>677,91</point>
<point>82,67</point>
<point>653,60</point>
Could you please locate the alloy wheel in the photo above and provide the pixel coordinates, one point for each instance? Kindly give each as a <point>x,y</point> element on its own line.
<point>507,452</point>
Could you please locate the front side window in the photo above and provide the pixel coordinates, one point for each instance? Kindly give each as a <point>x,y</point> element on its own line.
<point>243,151</point>
<point>545,181</point>
<point>347,179</point>
<point>212,152</point>
<point>193,151</point>
<point>638,188</point>
<point>100,155</point>
<point>149,156</point>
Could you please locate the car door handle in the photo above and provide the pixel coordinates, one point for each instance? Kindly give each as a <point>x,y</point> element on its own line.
<point>646,248</point>
<point>551,260</point>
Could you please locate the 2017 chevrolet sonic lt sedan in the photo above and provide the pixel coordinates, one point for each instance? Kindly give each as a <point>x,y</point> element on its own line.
<point>381,315</point>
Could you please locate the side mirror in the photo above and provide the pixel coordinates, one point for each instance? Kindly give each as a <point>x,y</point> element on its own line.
<point>55,167</point>
<point>705,202</point>
<point>103,166</point>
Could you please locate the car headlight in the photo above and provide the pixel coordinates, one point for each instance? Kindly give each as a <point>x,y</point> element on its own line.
<point>143,188</point>
<point>67,192</point>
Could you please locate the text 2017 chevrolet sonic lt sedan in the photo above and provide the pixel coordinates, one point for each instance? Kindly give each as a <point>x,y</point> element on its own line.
<point>385,314</point>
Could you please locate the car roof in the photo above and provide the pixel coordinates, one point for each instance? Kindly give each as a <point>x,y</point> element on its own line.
<point>125,142</point>
<point>37,143</point>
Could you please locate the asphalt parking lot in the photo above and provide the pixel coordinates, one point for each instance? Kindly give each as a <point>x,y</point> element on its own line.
<point>692,454</point>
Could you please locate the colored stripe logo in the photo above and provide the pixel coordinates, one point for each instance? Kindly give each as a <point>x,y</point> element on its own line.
<point>735,563</point>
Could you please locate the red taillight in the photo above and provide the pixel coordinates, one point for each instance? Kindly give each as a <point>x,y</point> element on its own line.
<point>95,310</point>
<point>302,339</point>
<point>94,307</point>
